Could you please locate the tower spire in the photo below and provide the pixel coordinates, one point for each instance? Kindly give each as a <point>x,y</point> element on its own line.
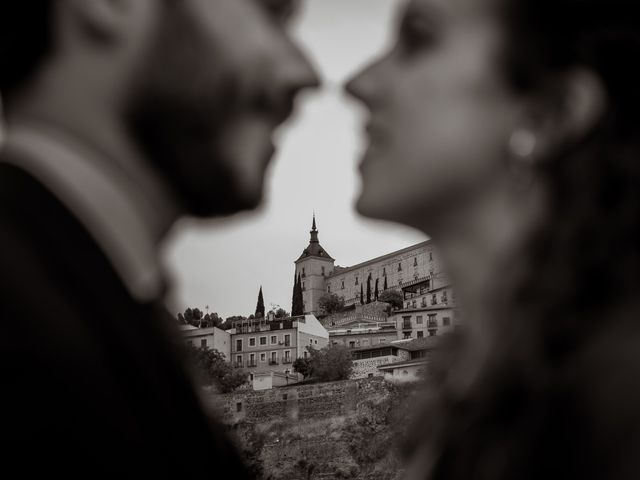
<point>314,230</point>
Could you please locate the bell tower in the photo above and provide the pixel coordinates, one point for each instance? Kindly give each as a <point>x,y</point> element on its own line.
<point>313,266</point>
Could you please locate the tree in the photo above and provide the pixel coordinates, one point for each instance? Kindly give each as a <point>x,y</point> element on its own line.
<point>212,367</point>
<point>297,308</point>
<point>385,283</point>
<point>331,303</point>
<point>212,320</point>
<point>375,293</point>
<point>294,294</point>
<point>369,289</point>
<point>192,316</point>
<point>278,313</point>
<point>303,366</point>
<point>361,295</point>
<point>393,297</point>
<point>225,325</point>
<point>330,363</point>
<point>260,305</point>
<point>234,318</point>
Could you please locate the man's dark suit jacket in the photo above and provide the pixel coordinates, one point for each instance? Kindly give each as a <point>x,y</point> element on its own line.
<point>93,384</point>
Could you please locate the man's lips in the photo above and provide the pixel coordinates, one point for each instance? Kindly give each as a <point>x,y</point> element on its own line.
<point>277,107</point>
<point>285,110</point>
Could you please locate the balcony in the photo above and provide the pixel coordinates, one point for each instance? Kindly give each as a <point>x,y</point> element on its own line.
<point>238,364</point>
<point>406,325</point>
<point>273,361</point>
<point>252,364</point>
<point>287,360</point>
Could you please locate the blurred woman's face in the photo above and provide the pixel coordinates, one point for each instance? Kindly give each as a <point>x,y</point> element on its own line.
<point>441,112</point>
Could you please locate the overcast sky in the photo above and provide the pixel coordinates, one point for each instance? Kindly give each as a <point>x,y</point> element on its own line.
<point>223,263</point>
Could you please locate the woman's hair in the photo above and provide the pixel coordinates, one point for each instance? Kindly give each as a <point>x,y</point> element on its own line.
<point>550,400</point>
<point>25,40</point>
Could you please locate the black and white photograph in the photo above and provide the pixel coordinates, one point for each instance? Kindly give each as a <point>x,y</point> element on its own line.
<point>320,239</point>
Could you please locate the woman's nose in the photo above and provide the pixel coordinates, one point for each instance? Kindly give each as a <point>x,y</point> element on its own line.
<point>365,86</point>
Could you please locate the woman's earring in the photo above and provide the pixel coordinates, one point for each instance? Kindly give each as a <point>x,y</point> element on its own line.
<point>522,147</point>
<point>522,143</point>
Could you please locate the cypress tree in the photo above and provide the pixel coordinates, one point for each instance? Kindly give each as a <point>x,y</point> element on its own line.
<point>297,307</point>
<point>369,289</point>
<point>361,296</point>
<point>293,294</point>
<point>385,282</point>
<point>260,306</point>
<point>300,300</point>
<point>375,293</point>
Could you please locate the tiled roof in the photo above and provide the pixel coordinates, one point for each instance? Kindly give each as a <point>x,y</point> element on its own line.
<point>417,344</point>
<point>374,347</point>
<point>187,327</point>
<point>403,363</point>
<point>314,249</point>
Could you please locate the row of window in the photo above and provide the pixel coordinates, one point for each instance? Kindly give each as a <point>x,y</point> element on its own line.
<point>203,342</point>
<point>432,321</point>
<point>423,303</point>
<point>273,339</point>
<point>384,272</point>
<point>304,274</point>
<point>384,269</point>
<point>273,359</point>
<point>362,343</point>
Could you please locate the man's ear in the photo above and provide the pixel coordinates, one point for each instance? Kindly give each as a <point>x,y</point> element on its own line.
<point>569,110</point>
<point>109,20</point>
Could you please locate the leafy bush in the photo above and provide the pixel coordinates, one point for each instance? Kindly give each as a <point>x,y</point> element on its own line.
<point>330,363</point>
<point>331,303</point>
<point>392,297</point>
<point>214,369</point>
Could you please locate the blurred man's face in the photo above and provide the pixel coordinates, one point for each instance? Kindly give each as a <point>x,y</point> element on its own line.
<point>220,78</point>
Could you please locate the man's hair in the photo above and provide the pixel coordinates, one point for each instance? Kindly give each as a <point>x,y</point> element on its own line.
<point>25,41</point>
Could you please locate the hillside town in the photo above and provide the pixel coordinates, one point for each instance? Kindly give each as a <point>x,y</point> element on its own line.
<point>388,313</point>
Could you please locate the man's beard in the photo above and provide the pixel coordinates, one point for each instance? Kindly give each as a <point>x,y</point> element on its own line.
<point>176,112</point>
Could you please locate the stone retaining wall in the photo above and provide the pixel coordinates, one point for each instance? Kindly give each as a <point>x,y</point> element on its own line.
<point>295,402</point>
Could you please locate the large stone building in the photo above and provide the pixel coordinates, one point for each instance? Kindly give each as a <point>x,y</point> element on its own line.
<point>260,345</point>
<point>414,265</point>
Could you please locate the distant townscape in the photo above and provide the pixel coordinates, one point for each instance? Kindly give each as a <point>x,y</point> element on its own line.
<point>379,318</point>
